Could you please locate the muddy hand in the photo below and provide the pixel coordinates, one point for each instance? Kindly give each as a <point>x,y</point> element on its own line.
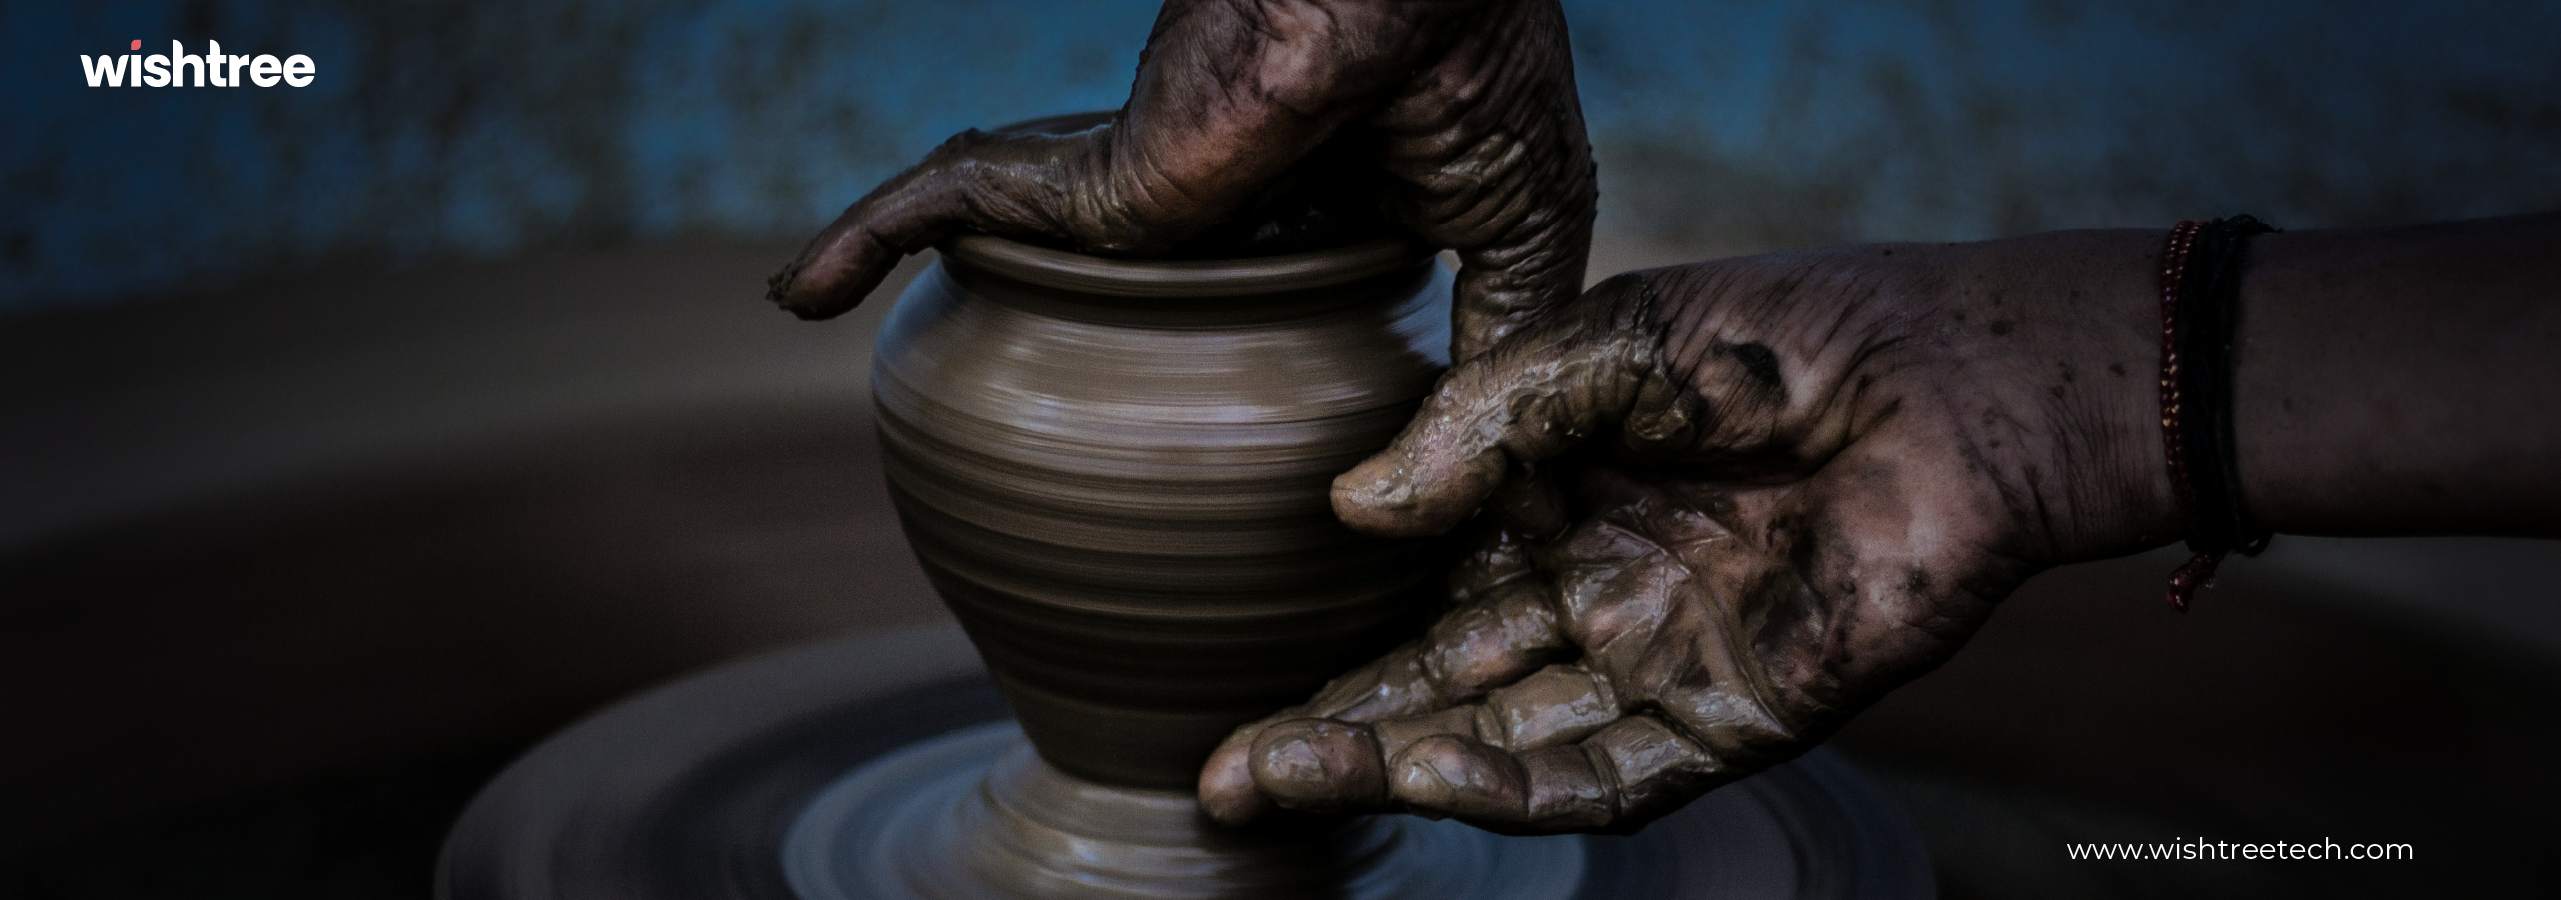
<point>1468,107</point>
<point>1789,484</point>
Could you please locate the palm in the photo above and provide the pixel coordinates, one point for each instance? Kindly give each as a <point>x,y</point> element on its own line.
<point>1795,516</point>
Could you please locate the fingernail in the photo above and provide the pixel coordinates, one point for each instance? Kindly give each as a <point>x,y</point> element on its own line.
<point>1443,770</point>
<point>1295,760</point>
<point>1432,775</point>
<point>1369,487</point>
<point>1379,499</point>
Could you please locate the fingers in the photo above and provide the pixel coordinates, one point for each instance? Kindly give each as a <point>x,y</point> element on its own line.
<point>1548,790</point>
<point>1667,685</point>
<point>1638,725</point>
<point>1471,650</point>
<point>1503,288</point>
<point>1629,771</point>
<point>1468,652</point>
<point>1314,765</point>
<point>1329,765</point>
<point>1228,96</point>
<point>846,261</point>
<point>1490,142</point>
<point>1555,705</point>
<point>1502,628</point>
<point>1506,634</point>
<point>1591,366</point>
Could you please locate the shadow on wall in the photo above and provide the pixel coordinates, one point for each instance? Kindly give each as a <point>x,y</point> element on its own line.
<point>444,129</point>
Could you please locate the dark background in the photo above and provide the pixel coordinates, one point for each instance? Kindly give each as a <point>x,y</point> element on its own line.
<point>354,436</point>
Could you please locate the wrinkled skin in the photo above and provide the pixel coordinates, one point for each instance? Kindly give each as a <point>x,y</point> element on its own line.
<point>1720,507</point>
<point>1468,108</point>
<point>1781,486</point>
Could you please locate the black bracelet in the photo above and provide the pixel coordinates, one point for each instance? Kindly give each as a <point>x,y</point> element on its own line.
<point>2202,271</point>
<point>2209,311</point>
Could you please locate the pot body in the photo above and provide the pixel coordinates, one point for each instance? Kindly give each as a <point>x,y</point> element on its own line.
<point>1117,472</point>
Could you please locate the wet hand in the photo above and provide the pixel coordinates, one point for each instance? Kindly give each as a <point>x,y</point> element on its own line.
<point>1464,110</point>
<point>1727,506</point>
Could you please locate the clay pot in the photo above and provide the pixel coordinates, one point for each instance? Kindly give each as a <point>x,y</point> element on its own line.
<point>1116,474</point>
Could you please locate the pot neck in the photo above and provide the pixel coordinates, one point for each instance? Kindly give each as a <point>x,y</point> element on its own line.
<point>1183,293</point>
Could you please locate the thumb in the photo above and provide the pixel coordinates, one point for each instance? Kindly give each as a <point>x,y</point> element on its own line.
<point>1582,368</point>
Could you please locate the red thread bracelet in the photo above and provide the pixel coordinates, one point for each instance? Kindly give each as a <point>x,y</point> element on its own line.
<point>2174,263</point>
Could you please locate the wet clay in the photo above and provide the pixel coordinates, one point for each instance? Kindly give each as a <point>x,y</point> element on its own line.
<point>1327,200</point>
<point>1116,473</point>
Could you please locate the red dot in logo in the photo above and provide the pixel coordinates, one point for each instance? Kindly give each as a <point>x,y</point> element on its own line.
<point>137,45</point>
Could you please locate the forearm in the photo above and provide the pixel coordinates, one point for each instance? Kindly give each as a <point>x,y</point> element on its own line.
<point>2403,381</point>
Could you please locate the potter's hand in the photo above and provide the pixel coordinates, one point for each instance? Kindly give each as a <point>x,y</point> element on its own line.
<point>1789,484</point>
<point>1467,107</point>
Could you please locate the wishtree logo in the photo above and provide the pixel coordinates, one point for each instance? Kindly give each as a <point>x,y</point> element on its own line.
<point>213,68</point>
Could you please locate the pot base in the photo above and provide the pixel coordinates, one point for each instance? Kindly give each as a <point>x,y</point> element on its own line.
<point>855,769</point>
<point>975,815</point>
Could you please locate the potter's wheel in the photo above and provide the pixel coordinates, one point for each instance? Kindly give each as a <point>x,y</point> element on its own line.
<point>780,777</point>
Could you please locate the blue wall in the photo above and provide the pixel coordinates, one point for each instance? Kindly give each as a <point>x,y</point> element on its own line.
<point>443,130</point>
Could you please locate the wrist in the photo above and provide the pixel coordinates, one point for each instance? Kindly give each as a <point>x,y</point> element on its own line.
<point>2092,364</point>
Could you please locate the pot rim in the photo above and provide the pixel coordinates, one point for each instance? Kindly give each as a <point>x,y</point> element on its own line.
<point>1237,277</point>
<point>1184,278</point>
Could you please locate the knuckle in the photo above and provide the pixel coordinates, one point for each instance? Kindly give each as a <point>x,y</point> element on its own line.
<point>1451,776</point>
<point>1395,735</point>
<point>1557,705</point>
<point>1656,769</point>
<point>1478,648</point>
<point>1566,791</point>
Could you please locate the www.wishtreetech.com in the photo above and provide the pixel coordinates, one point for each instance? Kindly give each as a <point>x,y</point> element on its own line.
<point>2200,848</point>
